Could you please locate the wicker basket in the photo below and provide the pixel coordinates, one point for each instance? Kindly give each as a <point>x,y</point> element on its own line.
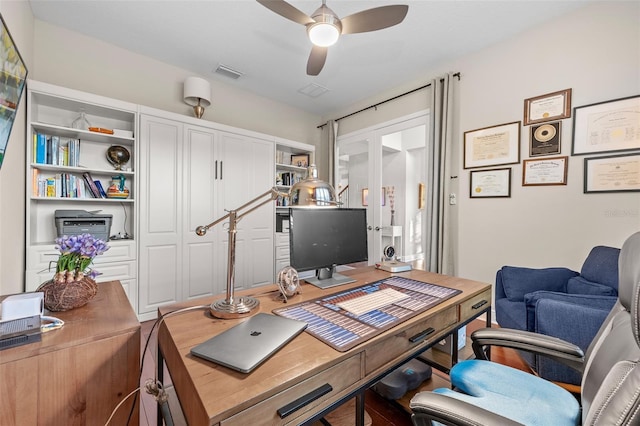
<point>65,296</point>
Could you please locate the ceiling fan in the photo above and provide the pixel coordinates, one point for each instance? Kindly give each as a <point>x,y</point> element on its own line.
<point>324,27</point>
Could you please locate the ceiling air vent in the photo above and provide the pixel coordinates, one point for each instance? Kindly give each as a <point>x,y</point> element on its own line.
<point>228,72</point>
<point>313,90</point>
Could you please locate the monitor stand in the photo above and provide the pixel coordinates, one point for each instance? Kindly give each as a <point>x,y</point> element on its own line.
<point>328,277</point>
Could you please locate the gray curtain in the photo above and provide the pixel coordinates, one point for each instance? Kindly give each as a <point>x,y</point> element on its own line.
<point>441,229</point>
<point>332,135</point>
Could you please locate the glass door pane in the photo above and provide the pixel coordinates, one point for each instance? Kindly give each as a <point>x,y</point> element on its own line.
<point>403,179</point>
<point>353,181</point>
<point>384,170</point>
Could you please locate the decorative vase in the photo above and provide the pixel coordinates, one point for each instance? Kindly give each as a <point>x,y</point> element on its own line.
<point>60,297</point>
<point>117,188</point>
<point>81,122</point>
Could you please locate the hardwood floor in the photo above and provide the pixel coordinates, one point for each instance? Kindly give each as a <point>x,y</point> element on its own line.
<point>382,411</point>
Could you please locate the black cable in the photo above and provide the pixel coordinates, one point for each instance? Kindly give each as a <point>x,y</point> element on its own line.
<point>146,345</point>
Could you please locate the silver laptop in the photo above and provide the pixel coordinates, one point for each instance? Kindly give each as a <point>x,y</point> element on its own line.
<point>246,345</point>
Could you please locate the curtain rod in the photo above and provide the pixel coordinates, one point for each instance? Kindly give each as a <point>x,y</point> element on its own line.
<point>384,102</point>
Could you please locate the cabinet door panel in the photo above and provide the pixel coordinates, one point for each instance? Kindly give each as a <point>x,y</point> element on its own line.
<point>203,273</point>
<point>249,173</point>
<point>199,270</point>
<point>162,172</point>
<point>161,271</point>
<point>160,264</point>
<point>199,178</point>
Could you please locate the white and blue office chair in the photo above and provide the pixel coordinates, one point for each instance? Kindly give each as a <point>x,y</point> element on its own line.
<point>487,393</point>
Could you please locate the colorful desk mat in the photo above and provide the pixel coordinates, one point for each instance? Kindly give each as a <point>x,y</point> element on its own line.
<point>343,330</point>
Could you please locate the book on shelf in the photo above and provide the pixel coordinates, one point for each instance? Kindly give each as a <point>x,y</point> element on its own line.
<point>52,150</point>
<point>35,182</point>
<point>50,187</point>
<point>95,192</point>
<point>103,193</point>
<point>73,152</point>
<point>55,145</point>
<point>41,148</point>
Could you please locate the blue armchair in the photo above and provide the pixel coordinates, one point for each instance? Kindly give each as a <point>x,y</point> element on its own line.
<point>558,302</point>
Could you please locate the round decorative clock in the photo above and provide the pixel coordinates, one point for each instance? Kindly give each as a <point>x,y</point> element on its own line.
<point>389,253</point>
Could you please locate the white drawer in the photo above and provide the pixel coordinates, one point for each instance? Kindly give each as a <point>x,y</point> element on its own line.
<point>40,256</point>
<point>116,271</point>
<point>281,263</point>
<point>282,253</point>
<point>282,239</point>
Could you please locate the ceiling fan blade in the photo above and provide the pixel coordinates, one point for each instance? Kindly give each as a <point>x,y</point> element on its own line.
<point>374,19</point>
<point>284,9</point>
<point>316,60</point>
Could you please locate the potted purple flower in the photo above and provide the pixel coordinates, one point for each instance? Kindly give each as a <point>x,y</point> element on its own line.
<point>73,284</point>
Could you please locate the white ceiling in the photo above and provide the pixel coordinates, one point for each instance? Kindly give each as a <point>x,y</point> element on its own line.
<point>272,51</point>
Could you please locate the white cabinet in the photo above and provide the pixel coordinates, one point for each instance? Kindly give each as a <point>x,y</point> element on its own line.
<point>57,157</point>
<point>160,174</point>
<point>192,174</point>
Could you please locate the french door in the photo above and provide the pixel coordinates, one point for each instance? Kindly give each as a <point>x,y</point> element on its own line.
<point>383,169</point>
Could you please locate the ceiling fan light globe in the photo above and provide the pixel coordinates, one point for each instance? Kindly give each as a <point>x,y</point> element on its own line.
<point>323,34</point>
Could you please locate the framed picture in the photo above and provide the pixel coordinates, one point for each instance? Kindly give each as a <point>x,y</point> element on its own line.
<point>490,183</point>
<point>547,171</point>
<point>300,160</point>
<point>618,173</point>
<point>492,146</point>
<point>13,77</point>
<point>549,107</point>
<point>545,139</point>
<point>365,196</point>
<point>607,126</point>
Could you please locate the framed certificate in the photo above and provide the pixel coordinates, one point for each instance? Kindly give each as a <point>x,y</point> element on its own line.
<point>548,171</point>
<point>549,107</point>
<point>607,126</point>
<point>490,183</point>
<point>545,139</point>
<point>618,173</point>
<point>491,146</point>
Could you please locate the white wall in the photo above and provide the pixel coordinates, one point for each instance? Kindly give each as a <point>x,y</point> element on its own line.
<point>595,51</point>
<point>19,21</point>
<point>73,60</point>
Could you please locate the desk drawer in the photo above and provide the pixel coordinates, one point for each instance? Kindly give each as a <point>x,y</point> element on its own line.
<point>472,307</point>
<point>399,344</point>
<point>339,377</point>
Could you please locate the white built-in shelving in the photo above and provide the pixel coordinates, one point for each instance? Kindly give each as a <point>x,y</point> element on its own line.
<point>51,112</point>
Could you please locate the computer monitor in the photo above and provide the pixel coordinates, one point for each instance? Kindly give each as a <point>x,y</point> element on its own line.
<point>321,239</point>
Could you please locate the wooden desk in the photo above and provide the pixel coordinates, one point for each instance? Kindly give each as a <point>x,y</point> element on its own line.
<point>214,395</point>
<point>77,374</point>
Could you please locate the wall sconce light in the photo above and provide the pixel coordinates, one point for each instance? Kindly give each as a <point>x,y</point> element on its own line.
<point>197,93</point>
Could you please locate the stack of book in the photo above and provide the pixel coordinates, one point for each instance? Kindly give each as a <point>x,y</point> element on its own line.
<point>53,150</point>
<point>67,185</point>
<point>287,178</point>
